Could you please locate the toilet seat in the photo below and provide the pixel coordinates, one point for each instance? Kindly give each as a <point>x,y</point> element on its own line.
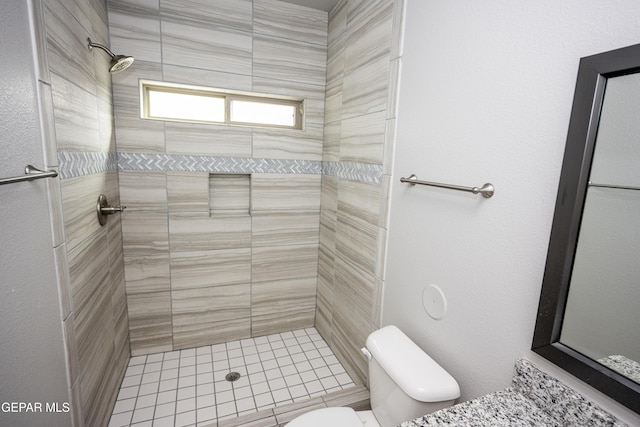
<point>334,417</point>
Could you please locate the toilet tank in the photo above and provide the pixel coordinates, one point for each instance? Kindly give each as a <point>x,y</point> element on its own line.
<point>404,382</point>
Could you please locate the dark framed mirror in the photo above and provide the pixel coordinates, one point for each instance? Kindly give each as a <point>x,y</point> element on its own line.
<point>588,319</point>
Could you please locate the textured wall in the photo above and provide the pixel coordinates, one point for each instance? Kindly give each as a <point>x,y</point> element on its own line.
<point>362,65</point>
<point>194,277</point>
<point>486,95</point>
<point>90,257</point>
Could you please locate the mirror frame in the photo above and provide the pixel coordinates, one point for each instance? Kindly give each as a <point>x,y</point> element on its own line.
<point>593,73</point>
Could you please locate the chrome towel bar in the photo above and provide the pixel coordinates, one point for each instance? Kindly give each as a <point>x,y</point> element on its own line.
<point>486,190</point>
<point>30,173</point>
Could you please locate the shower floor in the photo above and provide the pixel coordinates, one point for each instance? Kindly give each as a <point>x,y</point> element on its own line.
<point>188,387</point>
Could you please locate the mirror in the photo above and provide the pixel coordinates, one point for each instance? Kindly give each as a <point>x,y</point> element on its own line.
<point>589,312</point>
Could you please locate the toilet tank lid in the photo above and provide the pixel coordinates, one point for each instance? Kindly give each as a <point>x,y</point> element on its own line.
<point>417,374</point>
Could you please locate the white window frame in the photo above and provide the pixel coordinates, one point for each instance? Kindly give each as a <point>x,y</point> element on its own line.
<point>228,96</point>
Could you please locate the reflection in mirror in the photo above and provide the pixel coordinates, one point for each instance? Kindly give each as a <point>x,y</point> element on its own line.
<point>589,313</point>
<point>602,315</point>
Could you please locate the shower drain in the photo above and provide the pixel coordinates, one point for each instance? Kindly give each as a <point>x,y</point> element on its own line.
<point>232,376</point>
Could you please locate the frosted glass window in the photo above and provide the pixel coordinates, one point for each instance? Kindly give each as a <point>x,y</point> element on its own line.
<point>185,106</point>
<point>186,103</point>
<point>263,113</point>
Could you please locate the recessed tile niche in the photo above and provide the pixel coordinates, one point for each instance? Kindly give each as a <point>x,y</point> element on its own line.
<point>229,194</point>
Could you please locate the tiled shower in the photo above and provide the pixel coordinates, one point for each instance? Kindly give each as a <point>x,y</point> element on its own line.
<point>300,243</point>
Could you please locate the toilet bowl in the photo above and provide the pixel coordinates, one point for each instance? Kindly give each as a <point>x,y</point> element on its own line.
<point>404,383</point>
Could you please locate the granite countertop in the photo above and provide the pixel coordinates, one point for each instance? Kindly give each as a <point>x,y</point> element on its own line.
<point>534,399</point>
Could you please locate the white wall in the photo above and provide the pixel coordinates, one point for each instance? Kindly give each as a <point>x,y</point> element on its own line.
<point>486,93</point>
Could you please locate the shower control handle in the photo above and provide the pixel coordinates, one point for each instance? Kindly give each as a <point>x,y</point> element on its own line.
<point>104,209</point>
<point>110,210</point>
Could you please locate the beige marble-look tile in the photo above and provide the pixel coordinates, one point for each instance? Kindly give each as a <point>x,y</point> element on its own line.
<point>147,273</point>
<point>79,197</point>
<point>324,309</point>
<point>67,51</point>
<point>288,21</point>
<point>356,244</point>
<point>208,139</point>
<point>145,233</point>
<point>328,231</point>
<point>284,262</point>
<point>229,194</point>
<point>259,419</point>
<point>210,315</point>
<point>359,200</point>
<point>282,305</point>
<point>271,228</point>
<point>231,14</point>
<point>116,261</point>
<point>365,89</point>
<point>200,45</point>
<point>280,191</point>
<point>89,275</point>
<point>332,142</point>
<point>106,129</point>
<point>135,28</point>
<point>143,190</point>
<point>150,325</point>
<point>188,192</point>
<point>338,19</point>
<point>210,78</point>
<point>76,116</point>
<point>203,269</point>
<point>362,138</point>
<point>283,59</point>
<point>288,143</point>
<point>134,134</point>
<point>191,232</point>
<point>368,32</point>
<point>329,197</point>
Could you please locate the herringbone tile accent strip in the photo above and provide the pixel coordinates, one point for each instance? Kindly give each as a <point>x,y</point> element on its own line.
<point>353,171</point>
<point>76,164</point>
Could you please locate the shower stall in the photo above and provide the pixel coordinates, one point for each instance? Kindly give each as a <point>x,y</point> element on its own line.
<point>174,274</point>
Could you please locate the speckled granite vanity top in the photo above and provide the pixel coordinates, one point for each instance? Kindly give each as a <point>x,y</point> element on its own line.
<point>534,399</point>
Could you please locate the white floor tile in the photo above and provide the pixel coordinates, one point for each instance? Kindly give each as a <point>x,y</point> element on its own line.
<point>164,422</point>
<point>120,420</point>
<point>142,414</point>
<point>165,410</point>
<point>188,387</point>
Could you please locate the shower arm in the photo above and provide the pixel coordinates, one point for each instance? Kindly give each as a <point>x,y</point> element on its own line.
<point>103,47</point>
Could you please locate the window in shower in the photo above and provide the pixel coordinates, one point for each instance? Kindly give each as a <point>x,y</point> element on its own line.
<point>176,102</point>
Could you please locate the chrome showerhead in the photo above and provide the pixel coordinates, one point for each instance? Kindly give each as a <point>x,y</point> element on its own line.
<point>118,62</point>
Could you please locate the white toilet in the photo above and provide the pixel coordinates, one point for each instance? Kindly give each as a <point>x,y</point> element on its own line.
<point>404,383</point>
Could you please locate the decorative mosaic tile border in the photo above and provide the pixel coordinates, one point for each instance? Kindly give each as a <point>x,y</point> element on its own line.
<point>182,163</point>
<point>76,164</point>
<point>362,172</point>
